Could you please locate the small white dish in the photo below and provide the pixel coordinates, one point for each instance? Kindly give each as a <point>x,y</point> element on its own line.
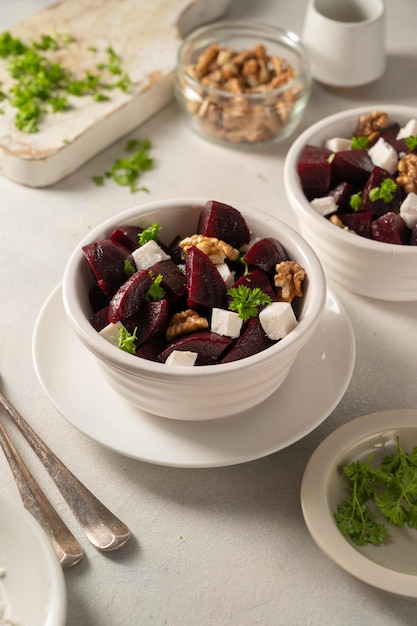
<point>33,585</point>
<point>391,566</point>
<point>71,378</point>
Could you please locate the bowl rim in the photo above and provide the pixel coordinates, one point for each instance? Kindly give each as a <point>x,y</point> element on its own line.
<point>285,37</point>
<point>124,361</point>
<point>300,203</point>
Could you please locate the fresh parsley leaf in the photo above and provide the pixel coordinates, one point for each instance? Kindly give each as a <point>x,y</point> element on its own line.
<point>127,341</point>
<point>246,301</point>
<point>360,143</point>
<point>129,268</point>
<point>384,192</point>
<point>155,291</point>
<point>411,142</point>
<point>126,171</point>
<point>149,234</point>
<point>355,201</point>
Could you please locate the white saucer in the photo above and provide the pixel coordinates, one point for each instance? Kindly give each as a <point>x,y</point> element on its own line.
<point>73,382</point>
<point>33,585</point>
<point>391,566</point>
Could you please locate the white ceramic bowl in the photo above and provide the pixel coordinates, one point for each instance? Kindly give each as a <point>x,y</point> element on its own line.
<point>369,268</point>
<point>208,391</point>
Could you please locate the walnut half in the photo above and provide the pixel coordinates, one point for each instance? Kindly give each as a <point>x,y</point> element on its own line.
<point>289,276</point>
<point>185,322</point>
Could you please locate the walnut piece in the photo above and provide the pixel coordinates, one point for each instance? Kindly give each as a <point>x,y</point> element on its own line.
<point>216,249</point>
<point>185,322</point>
<point>289,276</point>
<point>235,119</point>
<point>407,168</point>
<point>335,219</point>
<point>371,124</point>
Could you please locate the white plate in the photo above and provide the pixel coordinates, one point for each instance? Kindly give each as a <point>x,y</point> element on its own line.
<point>391,567</point>
<point>72,381</point>
<point>33,586</point>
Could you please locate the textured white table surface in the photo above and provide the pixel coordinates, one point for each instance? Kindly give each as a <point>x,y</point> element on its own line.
<point>210,547</point>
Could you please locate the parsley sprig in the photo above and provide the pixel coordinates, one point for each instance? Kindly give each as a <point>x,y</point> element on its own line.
<point>246,301</point>
<point>384,192</point>
<point>149,234</point>
<point>126,170</point>
<point>155,291</point>
<point>127,340</point>
<point>391,488</point>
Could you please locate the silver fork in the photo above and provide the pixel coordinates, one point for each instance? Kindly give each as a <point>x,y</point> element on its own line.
<point>102,528</point>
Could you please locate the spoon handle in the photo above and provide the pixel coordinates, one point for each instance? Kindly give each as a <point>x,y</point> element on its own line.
<point>102,528</point>
<point>67,548</point>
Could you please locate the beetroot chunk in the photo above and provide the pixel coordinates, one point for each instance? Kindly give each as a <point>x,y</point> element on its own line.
<point>314,170</point>
<point>380,206</point>
<point>252,340</point>
<point>359,222</point>
<point>107,261</point>
<point>173,279</point>
<point>152,321</point>
<point>205,287</point>
<point>130,297</point>
<point>257,278</point>
<point>352,166</point>
<point>224,222</point>
<point>265,254</point>
<point>390,228</point>
<point>209,346</point>
<point>127,235</point>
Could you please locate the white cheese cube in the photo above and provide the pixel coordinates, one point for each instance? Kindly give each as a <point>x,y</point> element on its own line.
<point>336,144</point>
<point>408,210</point>
<point>325,205</point>
<point>226,273</point>
<point>384,155</point>
<point>410,129</point>
<point>149,254</point>
<point>278,319</point>
<point>183,358</point>
<point>227,323</point>
<point>111,332</point>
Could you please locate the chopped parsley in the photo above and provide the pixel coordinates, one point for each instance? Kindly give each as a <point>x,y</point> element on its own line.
<point>126,171</point>
<point>246,301</point>
<point>411,142</point>
<point>155,291</point>
<point>360,143</point>
<point>149,234</point>
<point>391,488</point>
<point>355,201</point>
<point>129,269</point>
<point>42,85</point>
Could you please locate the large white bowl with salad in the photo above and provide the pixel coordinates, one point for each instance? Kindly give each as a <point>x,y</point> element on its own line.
<point>351,179</point>
<point>240,321</point>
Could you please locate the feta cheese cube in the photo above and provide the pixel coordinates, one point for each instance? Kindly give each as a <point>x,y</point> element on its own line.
<point>147,255</point>
<point>278,319</point>
<point>325,205</point>
<point>111,332</point>
<point>226,273</point>
<point>384,155</point>
<point>408,210</point>
<point>227,323</point>
<point>183,358</point>
<point>336,144</point>
<point>410,129</point>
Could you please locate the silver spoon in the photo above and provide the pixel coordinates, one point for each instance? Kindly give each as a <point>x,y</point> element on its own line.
<point>102,528</point>
<point>67,548</point>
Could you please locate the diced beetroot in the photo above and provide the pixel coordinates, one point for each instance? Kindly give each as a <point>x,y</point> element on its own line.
<point>98,299</point>
<point>205,287</point>
<point>151,321</point>
<point>265,254</point>
<point>107,261</point>
<point>130,297</point>
<point>390,133</point>
<point>176,252</point>
<point>352,166</point>
<point>315,171</point>
<point>359,222</point>
<point>390,228</point>
<point>209,346</point>
<point>252,340</point>
<point>173,279</point>
<point>379,207</point>
<point>224,222</point>
<point>100,319</point>
<point>151,350</point>
<point>257,278</point>
<point>341,194</point>
<point>413,238</point>
<point>127,235</point>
